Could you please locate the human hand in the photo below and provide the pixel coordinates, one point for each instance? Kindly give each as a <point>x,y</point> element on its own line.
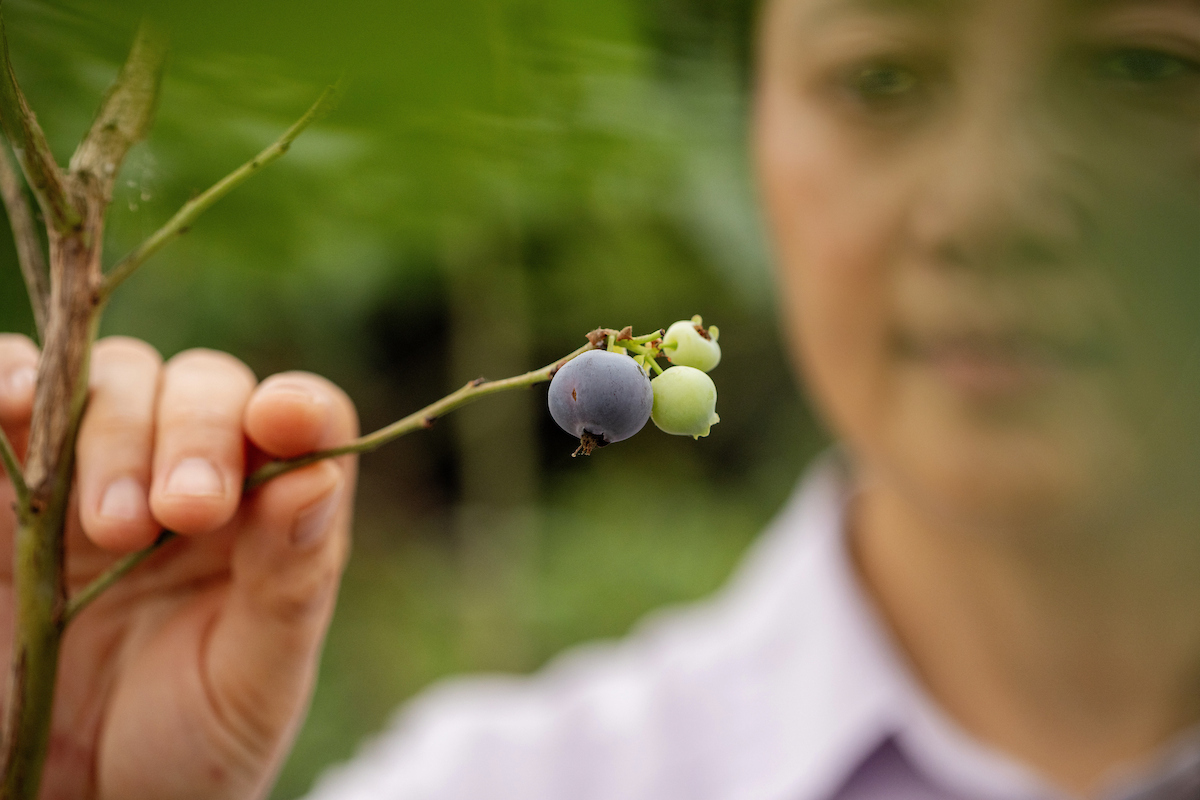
<point>190,677</point>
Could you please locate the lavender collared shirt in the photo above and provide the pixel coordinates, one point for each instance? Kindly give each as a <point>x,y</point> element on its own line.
<point>784,686</point>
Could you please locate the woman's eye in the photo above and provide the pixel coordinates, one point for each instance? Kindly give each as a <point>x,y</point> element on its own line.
<point>1137,65</point>
<point>882,82</point>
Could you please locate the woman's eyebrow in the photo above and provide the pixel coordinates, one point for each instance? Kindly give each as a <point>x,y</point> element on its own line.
<point>1099,5</point>
<point>820,12</point>
<point>838,7</point>
<point>826,11</point>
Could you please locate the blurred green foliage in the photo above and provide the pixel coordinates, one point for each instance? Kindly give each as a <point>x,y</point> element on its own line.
<point>501,177</point>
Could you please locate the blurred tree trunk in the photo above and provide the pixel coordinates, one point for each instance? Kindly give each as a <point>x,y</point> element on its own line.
<point>496,517</point>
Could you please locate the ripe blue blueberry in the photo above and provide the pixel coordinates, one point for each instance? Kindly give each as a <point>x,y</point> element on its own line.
<point>601,398</point>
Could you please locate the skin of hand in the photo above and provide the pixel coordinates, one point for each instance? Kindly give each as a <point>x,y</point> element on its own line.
<point>190,677</point>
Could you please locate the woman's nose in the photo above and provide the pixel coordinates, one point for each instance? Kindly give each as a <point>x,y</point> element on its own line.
<point>1002,187</point>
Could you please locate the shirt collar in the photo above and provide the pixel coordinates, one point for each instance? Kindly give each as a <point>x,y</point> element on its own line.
<point>842,687</point>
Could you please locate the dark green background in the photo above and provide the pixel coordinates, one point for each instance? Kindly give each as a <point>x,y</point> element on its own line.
<point>501,177</point>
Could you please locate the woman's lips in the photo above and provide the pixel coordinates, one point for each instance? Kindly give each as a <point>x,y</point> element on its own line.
<point>989,372</point>
<point>1001,365</point>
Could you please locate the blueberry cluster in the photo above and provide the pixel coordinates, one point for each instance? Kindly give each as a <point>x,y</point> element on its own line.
<point>606,395</point>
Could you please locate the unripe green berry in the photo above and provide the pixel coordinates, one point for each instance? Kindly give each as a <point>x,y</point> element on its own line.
<point>688,344</point>
<point>685,402</point>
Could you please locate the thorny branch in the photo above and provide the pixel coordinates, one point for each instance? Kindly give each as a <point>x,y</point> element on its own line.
<point>74,206</point>
<point>74,203</point>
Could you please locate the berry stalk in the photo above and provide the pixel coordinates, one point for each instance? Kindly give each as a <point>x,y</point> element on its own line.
<point>418,420</point>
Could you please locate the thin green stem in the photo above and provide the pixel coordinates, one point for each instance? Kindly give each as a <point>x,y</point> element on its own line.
<point>191,211</point>
<point>110,576</point>
<point>13,467</point>
<point>639,349</point>
<point>418,420</point>
<point>640,340</point>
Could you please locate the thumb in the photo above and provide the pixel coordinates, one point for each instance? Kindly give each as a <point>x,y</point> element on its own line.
<point>285,569</point>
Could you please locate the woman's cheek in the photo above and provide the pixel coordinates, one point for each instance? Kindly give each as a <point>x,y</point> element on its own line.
<point>834,210</point>
<point>839,286</point>
<point>845,321</point>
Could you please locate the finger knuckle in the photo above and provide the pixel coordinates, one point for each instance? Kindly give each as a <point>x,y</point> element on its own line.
<point>124,427</point>
<point>200,420</point>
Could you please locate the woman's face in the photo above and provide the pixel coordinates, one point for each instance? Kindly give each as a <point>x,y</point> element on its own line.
<point>987,220</point>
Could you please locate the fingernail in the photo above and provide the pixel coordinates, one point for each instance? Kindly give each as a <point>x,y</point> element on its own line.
<point>195,477</point>
<point>124,500</point>
<point>21,381</point>
<point>314,522</point>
